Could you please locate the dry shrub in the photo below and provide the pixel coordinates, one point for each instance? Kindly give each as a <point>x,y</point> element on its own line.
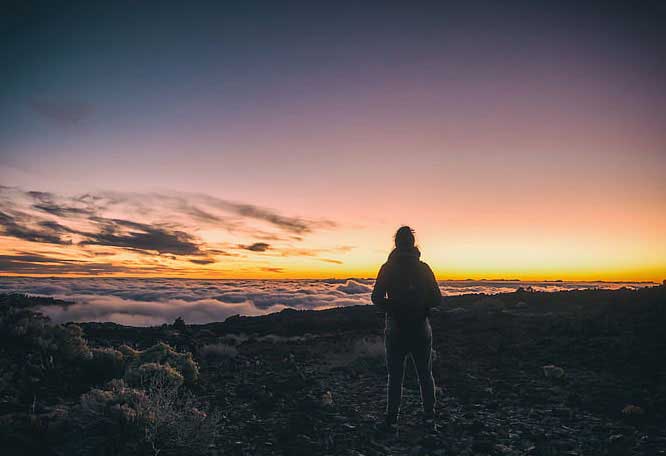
<point>162,353</point>
<point>120,419</point>
<point>108,362</point>
<point>115,397</point>
<point>38,357</point>
<point>135,366</point>
<point>369,347</point>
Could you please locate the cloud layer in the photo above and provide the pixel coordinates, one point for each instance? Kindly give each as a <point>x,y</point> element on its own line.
<point>144,302</point>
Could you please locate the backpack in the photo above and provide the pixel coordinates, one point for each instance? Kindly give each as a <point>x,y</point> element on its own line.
<point>408,294</point>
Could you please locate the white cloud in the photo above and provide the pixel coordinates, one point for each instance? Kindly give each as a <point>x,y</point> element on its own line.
<point>353,287</point>
<point>145,302</point>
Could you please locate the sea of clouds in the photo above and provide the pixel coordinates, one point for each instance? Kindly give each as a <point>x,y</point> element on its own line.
<point>146,302</point>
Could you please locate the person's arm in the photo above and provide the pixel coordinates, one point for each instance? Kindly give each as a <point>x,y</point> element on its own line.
<point>379,291</point>
<point>435,292</point>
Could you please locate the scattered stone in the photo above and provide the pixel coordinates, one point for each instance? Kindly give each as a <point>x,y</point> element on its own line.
<point>631,409</point>
<point>503,449</point>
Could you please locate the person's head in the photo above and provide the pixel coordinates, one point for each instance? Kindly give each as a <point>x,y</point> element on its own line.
<point>404,238</point>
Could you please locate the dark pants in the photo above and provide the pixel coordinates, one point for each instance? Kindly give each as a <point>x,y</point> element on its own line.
<point>417,342</point>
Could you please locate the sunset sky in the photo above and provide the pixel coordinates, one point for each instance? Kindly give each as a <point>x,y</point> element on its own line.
<point>526,140</point>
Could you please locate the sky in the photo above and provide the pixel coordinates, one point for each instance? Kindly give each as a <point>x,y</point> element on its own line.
<point>268,140</point>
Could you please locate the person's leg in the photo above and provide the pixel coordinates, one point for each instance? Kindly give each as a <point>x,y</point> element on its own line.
<point>395,365</point>
<point>422,354</point>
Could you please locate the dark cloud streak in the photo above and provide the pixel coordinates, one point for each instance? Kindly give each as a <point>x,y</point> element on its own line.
<point>293,224</point>
<point>142,237</point>
<point>43,265</point>
<point>256,247</point>
<point>49,218</point>
<point>11,227</point>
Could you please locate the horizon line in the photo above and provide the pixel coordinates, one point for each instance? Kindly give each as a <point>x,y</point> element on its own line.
<point>101,276</point>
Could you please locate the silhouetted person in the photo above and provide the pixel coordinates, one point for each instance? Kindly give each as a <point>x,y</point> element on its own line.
<point>406,290</point>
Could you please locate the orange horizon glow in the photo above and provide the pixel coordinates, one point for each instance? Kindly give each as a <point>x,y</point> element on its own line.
<point>440,277</point>
<point>525,241</point>
<point>634,272</point>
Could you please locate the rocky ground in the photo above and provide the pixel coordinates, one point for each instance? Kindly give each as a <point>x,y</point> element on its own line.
<point>569,373</point>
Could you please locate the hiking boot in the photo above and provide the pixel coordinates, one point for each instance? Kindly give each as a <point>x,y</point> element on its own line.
<point>429,426</point>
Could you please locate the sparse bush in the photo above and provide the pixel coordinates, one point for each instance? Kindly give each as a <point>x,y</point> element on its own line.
<point>121,419</point>
<point>179,324</point>
<point>42,360</point>
<point>149,373</point>
<point>218,351</point>
<point>38,356</point>
<point>108,362</point>
<point>162,353</point>
<point>144,414</point>
<point>116,396</point>
<point>70,342</point>
<point>235,339</point>
<point>137,365</point>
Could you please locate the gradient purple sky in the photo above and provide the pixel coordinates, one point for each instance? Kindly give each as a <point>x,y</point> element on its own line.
<point>525,139</point>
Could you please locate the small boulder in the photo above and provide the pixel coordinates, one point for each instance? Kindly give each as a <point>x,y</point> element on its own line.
<point>503,449</point>
<point>179,324</point>
<point>619,445</point>
<point>327,399</point>
<point>553,371</point>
